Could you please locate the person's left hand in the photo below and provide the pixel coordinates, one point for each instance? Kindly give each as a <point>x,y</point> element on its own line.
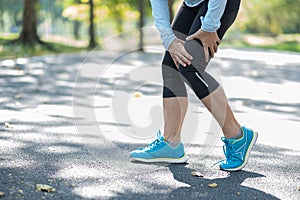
<point>210,41</point>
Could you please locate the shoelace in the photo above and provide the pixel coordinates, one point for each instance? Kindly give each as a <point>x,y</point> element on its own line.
<point>155,143</point>
<point>227,148</point>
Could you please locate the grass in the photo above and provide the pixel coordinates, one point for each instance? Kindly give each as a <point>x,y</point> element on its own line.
<point>284,42</point>
<point>61,44</point>
<point>15,50</point>
<point>285,46</point>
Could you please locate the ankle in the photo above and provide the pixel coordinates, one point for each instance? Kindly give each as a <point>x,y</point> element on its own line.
<point>173,143</point>
<point>236,136</point>
<point>172,138</point>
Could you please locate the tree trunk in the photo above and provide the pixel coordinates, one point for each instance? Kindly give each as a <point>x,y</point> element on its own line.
<point>141,23</point>
<point>76,29</point>
<point>76,25</point>
<point>92,43</point>
<point>29,30</point>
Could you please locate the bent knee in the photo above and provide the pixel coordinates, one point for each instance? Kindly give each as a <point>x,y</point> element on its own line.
<point>195,48</point>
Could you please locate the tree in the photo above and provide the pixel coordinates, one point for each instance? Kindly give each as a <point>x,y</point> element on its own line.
<point>76,25</point>
<point>29,29</point>
<point>92,42</point>
<point>141,5</point>
<point>82,11</point>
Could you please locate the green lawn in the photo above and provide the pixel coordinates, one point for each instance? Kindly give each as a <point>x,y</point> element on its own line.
<point>10,50</point>
<point>61,44</point>
<point>288,42</point>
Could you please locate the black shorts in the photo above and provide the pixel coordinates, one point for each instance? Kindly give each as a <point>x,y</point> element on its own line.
<point>187,22</point>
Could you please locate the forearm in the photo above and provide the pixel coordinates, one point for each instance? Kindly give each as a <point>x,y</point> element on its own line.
<point>211,21</point>
<point>160,12</point>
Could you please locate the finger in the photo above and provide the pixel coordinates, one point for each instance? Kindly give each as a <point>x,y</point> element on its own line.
<point>184,59</point>
<point>180,61</point>
<point>174,60</point>
<point>205,48</point>
<point>186,54</point>
<point>211,50</point>
<point>181,41</point>
<point>191,37</point>
<point>215,47</point>
<point>218,41</point>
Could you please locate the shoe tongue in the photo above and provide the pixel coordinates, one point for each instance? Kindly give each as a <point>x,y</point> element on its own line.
<point>159,136</point>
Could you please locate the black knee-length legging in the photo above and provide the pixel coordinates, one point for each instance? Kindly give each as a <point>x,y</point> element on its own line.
<point>187,22</point>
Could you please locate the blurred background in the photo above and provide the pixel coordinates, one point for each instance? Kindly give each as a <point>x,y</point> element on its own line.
<point>38,27</point>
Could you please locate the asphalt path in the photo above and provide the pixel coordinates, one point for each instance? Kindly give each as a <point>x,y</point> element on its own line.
<point>70,121</point>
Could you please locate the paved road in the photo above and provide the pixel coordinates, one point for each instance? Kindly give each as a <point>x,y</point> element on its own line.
<point>73,123</point>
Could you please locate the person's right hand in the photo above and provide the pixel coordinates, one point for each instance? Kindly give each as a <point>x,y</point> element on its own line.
<point>179,54</point>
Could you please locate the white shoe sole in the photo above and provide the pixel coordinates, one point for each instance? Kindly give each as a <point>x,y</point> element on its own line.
<point>183,159</point>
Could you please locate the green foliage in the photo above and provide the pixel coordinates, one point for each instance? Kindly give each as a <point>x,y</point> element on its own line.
<point>115,12</point>
<point>270,17</point>
<point>10,14</point>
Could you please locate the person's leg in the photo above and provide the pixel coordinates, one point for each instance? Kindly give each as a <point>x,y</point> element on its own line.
<point>217,104</point>
<point>168,148</point>
<point>174,112</point>
<point>175,100</point>
<point>238,141</point>
<point>205,86</point>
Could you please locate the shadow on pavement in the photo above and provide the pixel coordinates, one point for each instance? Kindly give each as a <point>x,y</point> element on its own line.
<point>43,147</point>
<point>229,187</point>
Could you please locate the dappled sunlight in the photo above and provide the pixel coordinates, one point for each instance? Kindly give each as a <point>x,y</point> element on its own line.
<point>67,129</point>
<point>10,145</point>
<point>59,149</point>
<point>29,114</point>
<point>17,163</point>
<point>22,61</point>
<point>58,110</point>
<point>255,40</point>
<point>95,191</point>
<point>12,73</point>
<point>268,57</point>
<point>45,146</point>
<point>79,171</point>
<point>8,63</point>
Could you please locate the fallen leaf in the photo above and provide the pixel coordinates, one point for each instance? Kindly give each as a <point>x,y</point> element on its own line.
<point>137,94</point>
<point>238,193</point>
<point>1,194</point>
<point>212,185</point>
<point>8,125</point>
<point>21,191</point>
<point>18,96</point>
<point>44,188</point>
<point>198,174</point>
<point>17,67</point>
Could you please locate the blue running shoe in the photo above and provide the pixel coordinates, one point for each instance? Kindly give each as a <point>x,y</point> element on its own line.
<point>160,151</point>
<point>237,150</point>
